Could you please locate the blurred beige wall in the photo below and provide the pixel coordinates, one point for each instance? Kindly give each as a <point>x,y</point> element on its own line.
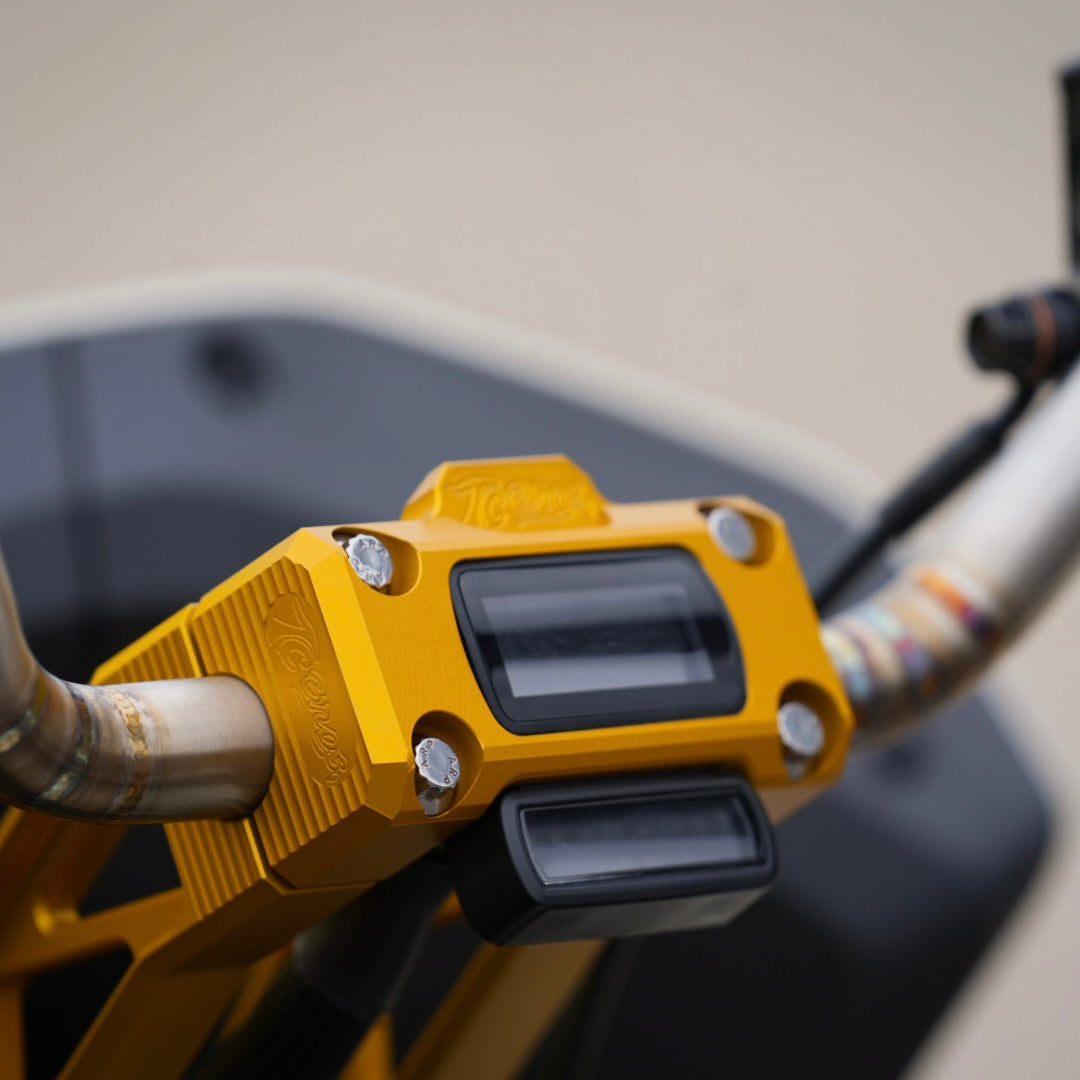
<point>785,205</point>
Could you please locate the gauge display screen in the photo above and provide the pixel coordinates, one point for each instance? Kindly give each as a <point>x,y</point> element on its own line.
<point>637,835</point>
<point>613,856</point>
<point>596,639</point>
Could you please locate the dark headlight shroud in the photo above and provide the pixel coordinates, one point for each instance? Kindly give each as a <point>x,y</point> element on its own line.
<point>613,857</point>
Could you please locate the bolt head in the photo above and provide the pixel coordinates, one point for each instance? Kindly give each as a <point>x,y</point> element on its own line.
<point>732,533</point>
<point>370,560</point>
<point>438,771</point>
<point>801,731</point>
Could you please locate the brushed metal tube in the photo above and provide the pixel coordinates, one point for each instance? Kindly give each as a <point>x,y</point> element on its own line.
<point>154,751</point>
<point>934,629</point>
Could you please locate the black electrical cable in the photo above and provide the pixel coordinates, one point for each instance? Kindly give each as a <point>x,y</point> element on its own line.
<point>1032,336</point>
<point>957,462</point>
<point>341,975</point>
<point>605,993</point>
<point>574,1046</point>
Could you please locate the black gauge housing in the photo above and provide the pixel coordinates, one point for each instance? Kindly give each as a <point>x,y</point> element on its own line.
<point>613,857</point>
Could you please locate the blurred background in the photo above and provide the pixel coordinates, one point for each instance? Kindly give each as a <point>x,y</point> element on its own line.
<point>785,206</point>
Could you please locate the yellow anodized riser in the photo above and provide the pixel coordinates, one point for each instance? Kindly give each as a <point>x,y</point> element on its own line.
<point>351,677</point>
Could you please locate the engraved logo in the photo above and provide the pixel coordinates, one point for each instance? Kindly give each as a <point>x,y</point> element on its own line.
<point>292,633</point>
<point>493,503</point>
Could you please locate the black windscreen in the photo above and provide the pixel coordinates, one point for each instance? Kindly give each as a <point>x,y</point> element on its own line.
<point>598,639</point>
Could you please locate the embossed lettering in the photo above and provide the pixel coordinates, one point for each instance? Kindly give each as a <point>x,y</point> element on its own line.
<point>494,503</point>
<point>292,634</point>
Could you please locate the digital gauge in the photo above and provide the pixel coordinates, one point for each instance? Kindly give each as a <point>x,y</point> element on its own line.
<point>598,639</point>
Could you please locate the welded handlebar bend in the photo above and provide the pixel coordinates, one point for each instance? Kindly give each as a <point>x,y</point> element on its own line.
<point>172,750</point>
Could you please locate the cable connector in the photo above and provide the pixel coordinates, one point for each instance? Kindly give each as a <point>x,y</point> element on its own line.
<point>1034,337</point>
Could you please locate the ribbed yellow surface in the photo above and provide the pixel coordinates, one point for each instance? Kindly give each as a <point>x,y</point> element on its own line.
<point>230,633</point>
<point>215,859</point>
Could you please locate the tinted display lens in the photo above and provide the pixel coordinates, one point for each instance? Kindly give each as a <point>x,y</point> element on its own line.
<point>631,837</point>
<point>576,641</point>
<point>606,638</point>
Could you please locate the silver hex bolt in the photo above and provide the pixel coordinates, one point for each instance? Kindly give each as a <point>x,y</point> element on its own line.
<point>732,533</point>
<point>370,560</point>
<point>802,735</point>
<point>437,774</point>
